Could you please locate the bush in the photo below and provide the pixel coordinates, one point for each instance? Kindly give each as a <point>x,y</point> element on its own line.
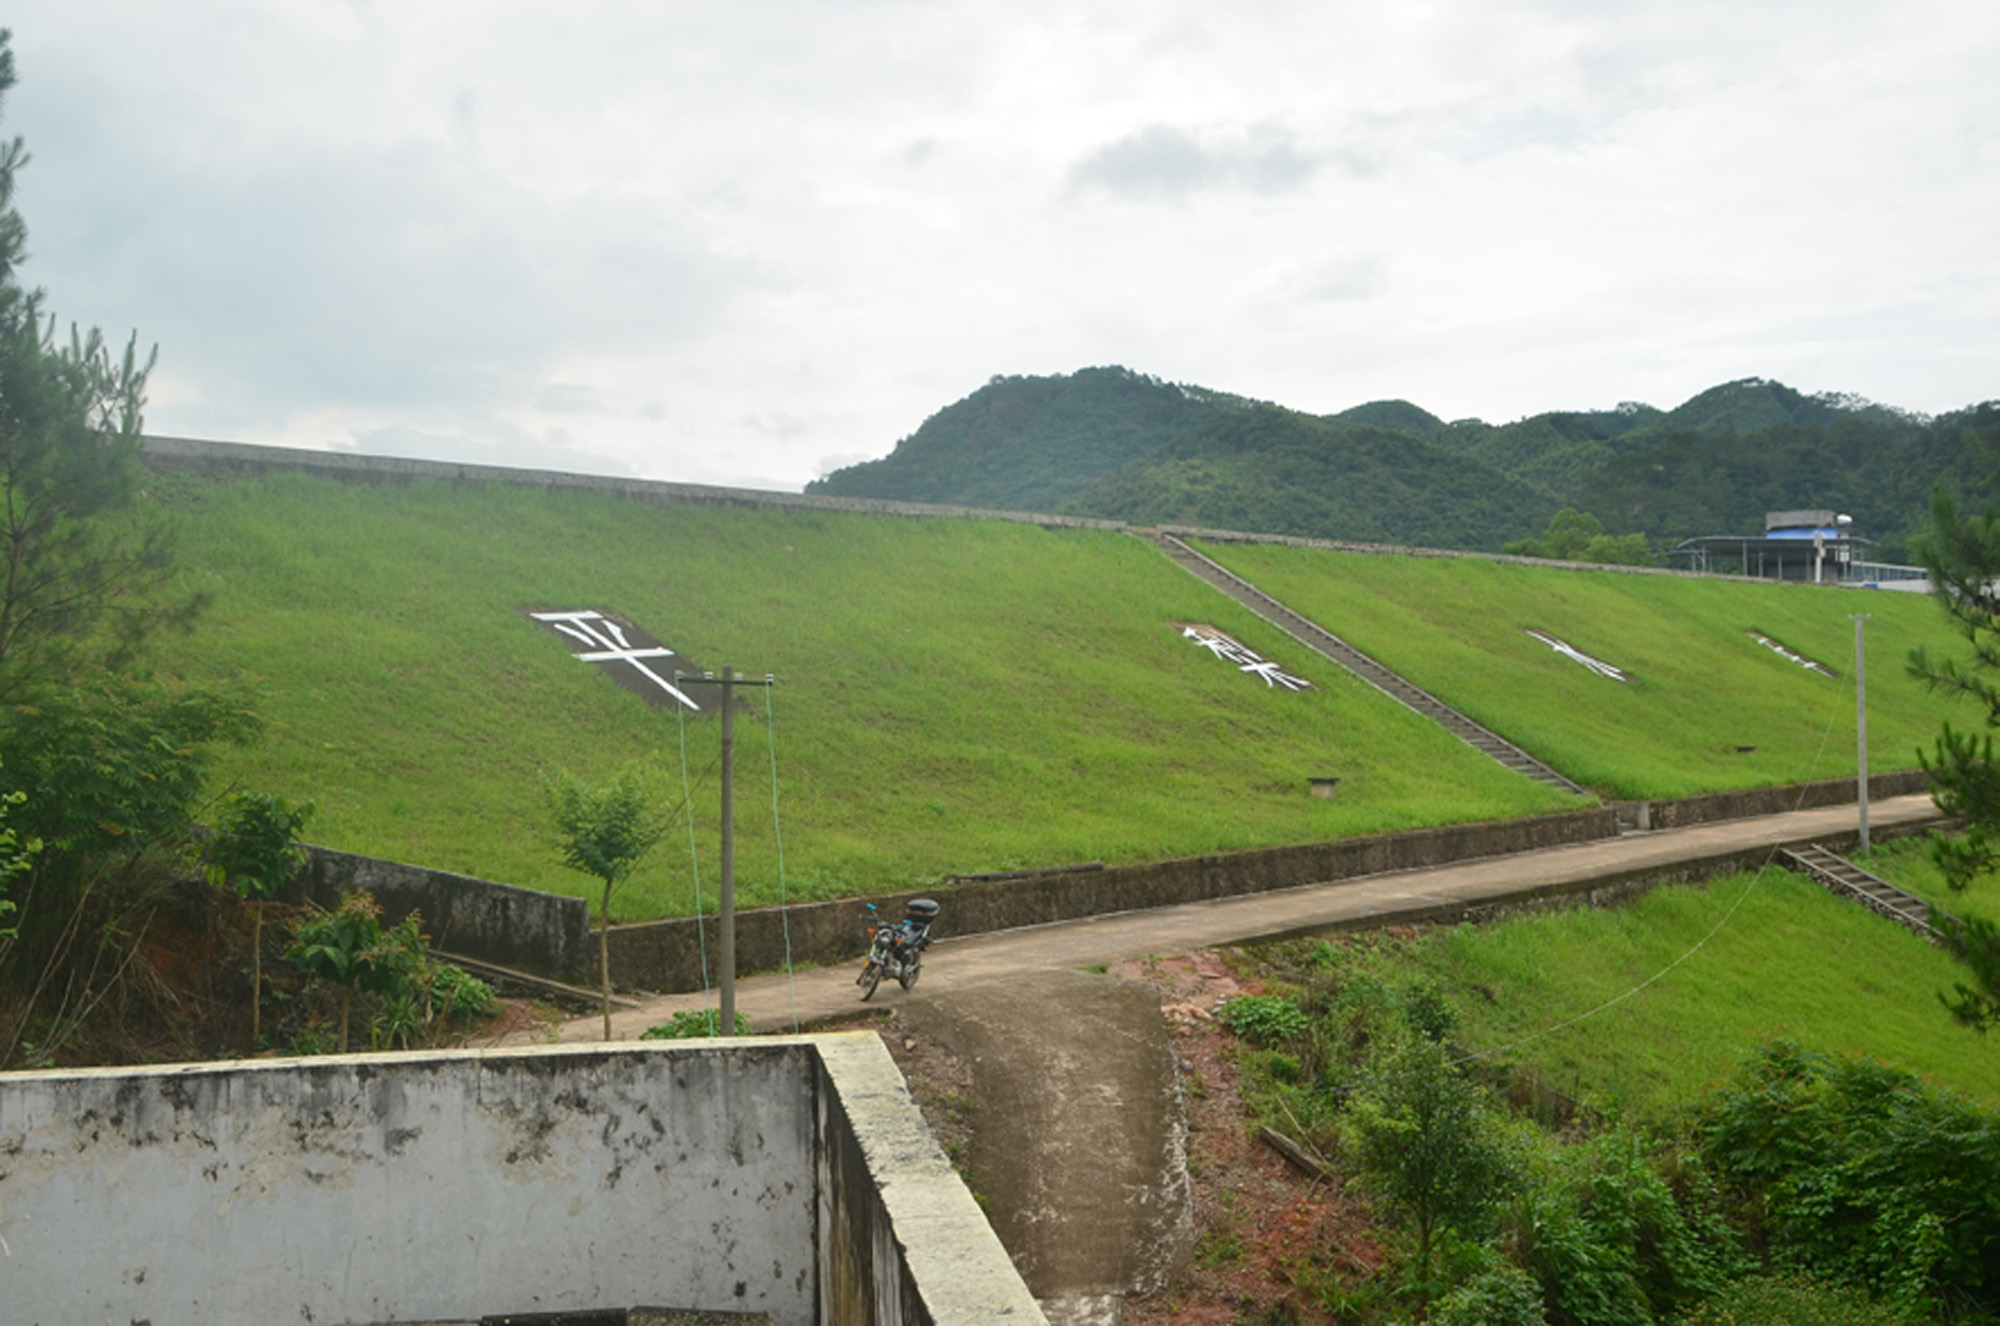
<point>457,993</point>
<point>1268,1020</point>
<point>1428,1146</point>
<point>1791,1301</point>
<point>1858,1173</point>
<point>693,1024</point>
<point>1608,1239</point>
<point>1503,1295</point>
<point>413,997</point>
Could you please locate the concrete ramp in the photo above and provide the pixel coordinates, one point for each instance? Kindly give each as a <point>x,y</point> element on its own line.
<point>1080,1153</point>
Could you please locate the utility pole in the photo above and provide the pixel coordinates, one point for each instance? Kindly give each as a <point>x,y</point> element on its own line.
<point>1861,723</point>
<point>726,909</point>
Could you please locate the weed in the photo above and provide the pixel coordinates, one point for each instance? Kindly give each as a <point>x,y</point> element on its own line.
<point>1264,1019</point>
<point>693,1024</point>
<point>1219,1247</point>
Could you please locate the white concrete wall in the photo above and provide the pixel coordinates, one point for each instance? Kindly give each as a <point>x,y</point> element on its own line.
<point>404,1187</point>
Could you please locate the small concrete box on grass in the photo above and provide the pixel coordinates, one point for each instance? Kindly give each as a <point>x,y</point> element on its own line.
<point>785,1176</point>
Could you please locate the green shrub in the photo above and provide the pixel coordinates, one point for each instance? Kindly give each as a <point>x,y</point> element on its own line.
<point>409,997</point>
<point>1611,1243</point>
<point>456,992</point>
<point>1429,1147</point>
<point>1428,1013</point>
<point>1793,1301</point>
<point>1858,1173</point>
<point>1502,1295</point>
<point>693,1024</point>
<point>1265,1019</point>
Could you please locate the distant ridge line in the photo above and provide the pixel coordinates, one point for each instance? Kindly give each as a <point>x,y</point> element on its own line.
<point>351,467</point>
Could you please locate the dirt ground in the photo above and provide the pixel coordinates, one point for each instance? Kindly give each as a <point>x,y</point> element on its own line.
<point>1271,1244</point>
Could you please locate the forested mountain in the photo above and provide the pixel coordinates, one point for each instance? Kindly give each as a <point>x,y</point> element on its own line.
<point>1880,473</point>
<point>1029,444</point>
<point>1281,472</point>
<point>1111,442</point>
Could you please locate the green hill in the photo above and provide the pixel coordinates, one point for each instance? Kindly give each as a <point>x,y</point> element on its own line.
<point>1030,443</point>
<point>1398,416</point>
<point>1281,472</point>
<point>1111,441</point>
<point>1880,472</point>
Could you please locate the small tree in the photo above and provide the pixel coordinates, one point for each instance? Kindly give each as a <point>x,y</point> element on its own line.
<point>1578,536</point>
<point>605,831</point>
<point>81,580</point>
<point>15,857</point>
<point>1428,1146</point>
<point>255,850</point>
<point>1961,550</point>
<point>348,947</point>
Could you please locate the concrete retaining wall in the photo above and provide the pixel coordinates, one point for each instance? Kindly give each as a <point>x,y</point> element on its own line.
<point>750,1176</point>
<point>542,933</point>
<point>663,955</point>
<point>550,935</point>
<point>1749,801</point>
<point>903,1241</point>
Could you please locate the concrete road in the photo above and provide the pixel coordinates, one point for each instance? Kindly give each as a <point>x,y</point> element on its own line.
<point>778,1003</point>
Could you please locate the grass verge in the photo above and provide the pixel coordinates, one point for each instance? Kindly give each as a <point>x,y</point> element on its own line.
<point>1762,957</point>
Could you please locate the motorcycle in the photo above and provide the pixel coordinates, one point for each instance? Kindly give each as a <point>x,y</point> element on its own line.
<point>896,948</point>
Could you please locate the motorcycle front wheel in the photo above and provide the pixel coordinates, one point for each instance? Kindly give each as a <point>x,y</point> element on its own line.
<point>911,969</point>
<point>871,976</point>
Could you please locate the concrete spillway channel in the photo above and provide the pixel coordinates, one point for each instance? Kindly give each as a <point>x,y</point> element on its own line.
<point>1335,650</point>
<point>1876,894</point>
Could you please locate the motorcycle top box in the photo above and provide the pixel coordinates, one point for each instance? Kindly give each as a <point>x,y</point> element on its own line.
<point>921,910</point>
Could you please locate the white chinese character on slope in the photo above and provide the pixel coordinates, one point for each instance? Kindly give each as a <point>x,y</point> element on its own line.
<point>604,641</point>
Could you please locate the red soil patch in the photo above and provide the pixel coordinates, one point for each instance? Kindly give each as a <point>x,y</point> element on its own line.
<point>1271,1238</point>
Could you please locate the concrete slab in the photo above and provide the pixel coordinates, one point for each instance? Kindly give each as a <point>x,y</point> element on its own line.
<point>1080,1148</point>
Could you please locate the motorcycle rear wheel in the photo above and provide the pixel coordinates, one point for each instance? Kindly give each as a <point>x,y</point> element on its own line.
<point>911,970</point>
<point>871,976</point>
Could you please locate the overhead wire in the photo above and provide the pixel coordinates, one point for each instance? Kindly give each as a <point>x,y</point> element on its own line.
<point>778,834</point>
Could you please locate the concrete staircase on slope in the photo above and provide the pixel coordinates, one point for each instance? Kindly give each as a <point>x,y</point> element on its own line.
<point>1336,650</point>
<point>1877,894</point>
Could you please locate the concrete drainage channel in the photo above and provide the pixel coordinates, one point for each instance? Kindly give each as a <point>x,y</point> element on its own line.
<point>786,1179</point>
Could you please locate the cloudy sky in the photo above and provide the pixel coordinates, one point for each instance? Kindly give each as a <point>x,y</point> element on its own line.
<point>746,242</point>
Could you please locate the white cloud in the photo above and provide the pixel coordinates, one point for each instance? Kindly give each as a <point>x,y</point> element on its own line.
<point>714,243</point>
<point>1161,161</point>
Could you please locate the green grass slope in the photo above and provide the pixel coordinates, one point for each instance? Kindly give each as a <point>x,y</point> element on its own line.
<point>1572,995</point>
<point>954,695</point>
<point>1701,687</point>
